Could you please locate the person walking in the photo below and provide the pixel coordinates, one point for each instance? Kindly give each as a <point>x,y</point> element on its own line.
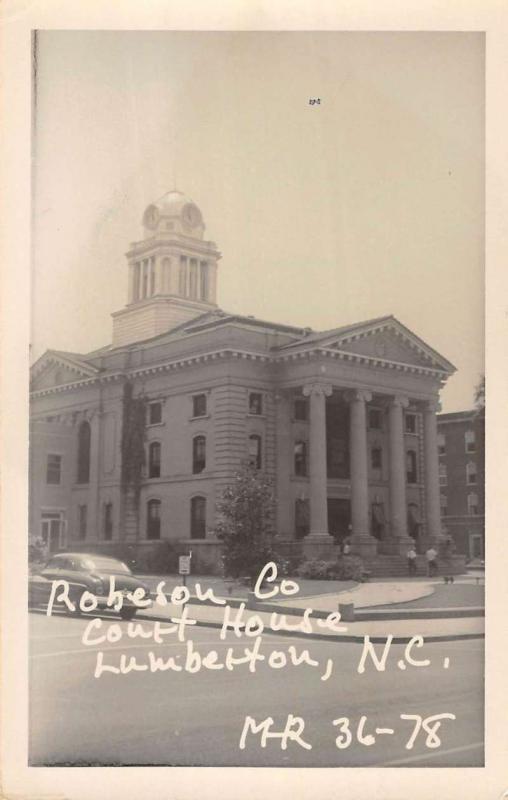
<point>411,561</point>
<point>431,556</point>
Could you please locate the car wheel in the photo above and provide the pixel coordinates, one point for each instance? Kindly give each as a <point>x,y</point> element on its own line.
<point>128,613</point>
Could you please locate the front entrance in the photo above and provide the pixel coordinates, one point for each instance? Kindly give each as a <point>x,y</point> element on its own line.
<point>339,518</point>
<point>52,531</point>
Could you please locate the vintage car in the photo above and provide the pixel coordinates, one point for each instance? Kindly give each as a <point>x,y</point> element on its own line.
<point>86,572</point>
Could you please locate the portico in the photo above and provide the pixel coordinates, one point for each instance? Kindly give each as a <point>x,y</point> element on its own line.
<point>374,482</point>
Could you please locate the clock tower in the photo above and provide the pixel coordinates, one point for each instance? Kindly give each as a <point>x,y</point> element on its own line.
<point>172,271</point>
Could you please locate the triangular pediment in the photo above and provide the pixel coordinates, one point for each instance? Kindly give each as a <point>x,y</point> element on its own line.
<point>385,339</point>
<point>57,369</point>
<point>388,346</point>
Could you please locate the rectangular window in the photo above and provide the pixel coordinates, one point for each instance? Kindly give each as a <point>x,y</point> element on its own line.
<point>441,444</point>
<point>152,276</point>
<point>255,403</point>
<point>154,413</point>
<point>107,524</point>
<point>470,441</point>
<point>411,467</point>
<point>443,501</point>
<point>301,409</point>
<point>198,518</point>
<point>53,469</point>
<point>255,451</point>
<point>410,423</point>
<point>376,458</point>
<point>443,475</point>
<point>300,455</point>
<point>375,419</point>
<point>199,405</point>
<point>82,521</point>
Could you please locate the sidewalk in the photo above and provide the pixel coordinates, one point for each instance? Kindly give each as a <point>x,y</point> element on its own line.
<point>380,595</point>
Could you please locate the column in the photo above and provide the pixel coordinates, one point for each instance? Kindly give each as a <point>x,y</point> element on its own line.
<point>358,462</point>
<point>132,279</point>
<point>398,506</point>
<point>283,434</point>
<point>430,449</point>
<point>317,394</point>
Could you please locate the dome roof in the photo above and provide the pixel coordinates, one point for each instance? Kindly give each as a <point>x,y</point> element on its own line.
<point>172,203</point>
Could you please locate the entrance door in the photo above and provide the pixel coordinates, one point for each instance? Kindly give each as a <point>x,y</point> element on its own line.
<point>339,518</point>
<point>51,531</point>
<point>475,545</point>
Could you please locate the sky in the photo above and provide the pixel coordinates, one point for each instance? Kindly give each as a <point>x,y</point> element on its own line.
<point>366,204</point>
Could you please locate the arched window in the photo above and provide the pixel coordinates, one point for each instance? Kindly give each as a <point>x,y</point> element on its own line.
<point>300,455</point>
<point>153,519</point>
<point>255,450</point>
<point>472,503</point>
<point>411,471</point>
<point>198,454</point>
<point>471,473</point>
<point>198,518</point>
<point>84,436</point>
<point>154,460</point>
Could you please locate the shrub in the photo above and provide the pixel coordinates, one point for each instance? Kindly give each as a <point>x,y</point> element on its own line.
<point>316,570</point>
<point>349,568</point>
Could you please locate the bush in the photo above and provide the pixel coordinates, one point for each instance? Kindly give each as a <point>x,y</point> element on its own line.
<point>316,570</point>
<point>347,568</point>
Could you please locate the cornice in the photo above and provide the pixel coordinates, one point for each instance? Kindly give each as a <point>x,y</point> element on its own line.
<point>240,354</point>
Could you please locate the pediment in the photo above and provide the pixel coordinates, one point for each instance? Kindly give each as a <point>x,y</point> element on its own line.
<point>53,370</point>
<point>392,343</point>
<point>388,346</point>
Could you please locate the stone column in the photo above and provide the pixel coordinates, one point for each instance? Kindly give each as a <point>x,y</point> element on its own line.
<point>132,279</point>
<point>318,544</point>
<point>283,437</point>
<point>398,537</point>
<point>362,542</point>
<point>431,460</point>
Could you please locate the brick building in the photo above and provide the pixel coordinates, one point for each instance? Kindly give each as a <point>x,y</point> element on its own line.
<point>461,445</point>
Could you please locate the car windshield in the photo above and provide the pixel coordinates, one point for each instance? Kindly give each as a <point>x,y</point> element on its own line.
<point>104,564</point>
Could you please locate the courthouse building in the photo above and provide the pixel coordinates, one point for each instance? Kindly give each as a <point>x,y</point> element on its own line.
<point>343,420</point>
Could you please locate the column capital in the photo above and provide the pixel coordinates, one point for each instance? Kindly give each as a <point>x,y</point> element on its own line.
<point>358,395</point>
<point>399,401</point>
<point>432,406</point>
<point>317,388</point>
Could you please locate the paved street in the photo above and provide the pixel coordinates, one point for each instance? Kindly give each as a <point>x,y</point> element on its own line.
<point>178,718</point>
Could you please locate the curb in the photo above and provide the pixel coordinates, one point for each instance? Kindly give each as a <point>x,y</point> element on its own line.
<point>348,638</point>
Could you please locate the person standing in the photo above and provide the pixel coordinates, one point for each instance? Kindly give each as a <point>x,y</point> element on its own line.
<point>411,561</point>
<point>431,556</point>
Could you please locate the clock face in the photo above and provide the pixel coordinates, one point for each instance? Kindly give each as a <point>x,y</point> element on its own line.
<point>191,215</point>
<point>151,217</point>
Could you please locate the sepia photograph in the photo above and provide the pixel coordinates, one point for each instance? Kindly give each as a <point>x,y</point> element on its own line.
<point>257,399</point>
<point>253,396</point>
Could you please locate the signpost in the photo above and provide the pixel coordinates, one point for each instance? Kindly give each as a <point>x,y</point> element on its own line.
<point>184,566</point>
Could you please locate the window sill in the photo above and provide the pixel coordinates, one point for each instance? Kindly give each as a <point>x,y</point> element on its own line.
<point>155,424</point>
<point>255,416</point>
<point>201,416</point>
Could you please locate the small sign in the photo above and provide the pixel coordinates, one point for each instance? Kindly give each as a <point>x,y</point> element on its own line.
<point>184,565</point>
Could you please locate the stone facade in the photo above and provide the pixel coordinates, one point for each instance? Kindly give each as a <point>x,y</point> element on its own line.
<point>343,420</point>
